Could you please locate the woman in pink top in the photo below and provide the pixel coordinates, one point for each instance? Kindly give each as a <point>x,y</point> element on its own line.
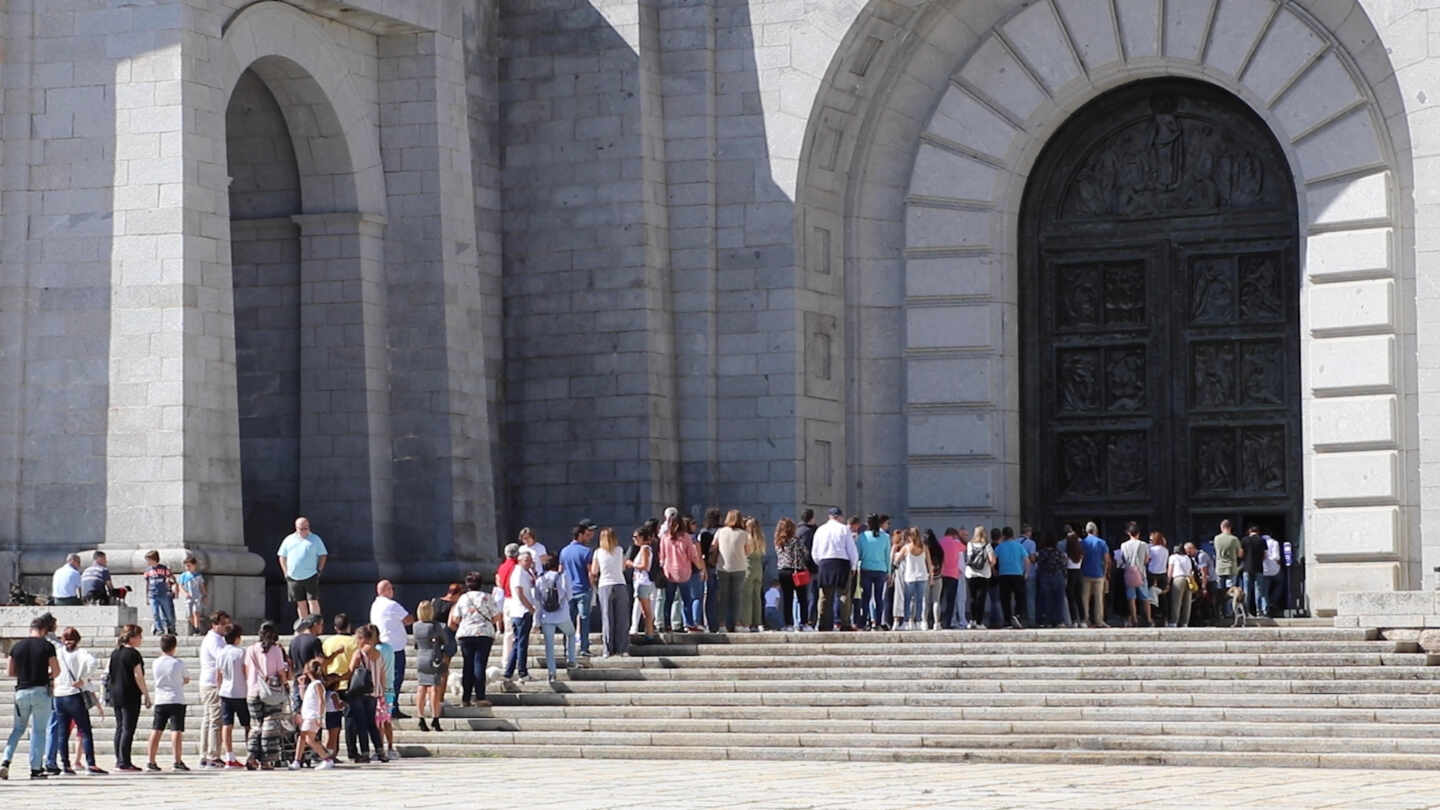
<point>680,559</point>
<point>954,547</point>
<point>267,674</point>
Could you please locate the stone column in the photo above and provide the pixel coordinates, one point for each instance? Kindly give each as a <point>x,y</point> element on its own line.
<point>344,391</point>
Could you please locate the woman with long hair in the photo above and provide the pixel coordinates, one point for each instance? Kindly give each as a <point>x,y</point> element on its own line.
<point>1074,580</point>
<point>443,606</point>
<point>730,544</point>
<point>126,685</point>
<point>74,691</point>
<point>267,676</point>
<point>932,588</point>
<point>607,571</point>
<point>684,570</point>
<point>979,569</point>
<point>912,568</point>
<point>752,600</point>
<point>362,702</point>
<point>791,559</point>
<point>474,618</point>
<point>640,572</point>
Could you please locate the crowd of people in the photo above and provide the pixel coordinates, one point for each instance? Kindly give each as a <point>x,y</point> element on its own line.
<point>676,575</point>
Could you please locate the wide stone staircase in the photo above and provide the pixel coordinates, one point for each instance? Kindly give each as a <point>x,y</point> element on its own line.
<point>1269,696</point>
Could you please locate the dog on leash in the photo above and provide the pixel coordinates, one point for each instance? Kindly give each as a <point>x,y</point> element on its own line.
<point>1237,605</point>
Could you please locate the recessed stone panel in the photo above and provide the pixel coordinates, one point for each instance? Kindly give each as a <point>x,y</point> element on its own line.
<point>946,227</point>
<point>1237,24</point>
<point>942,173</point>
<point>1355,478</point>
<point>994,72</point>
<point>943,380</point>
<point>1352,422</point>
<point>1358,364</point>
<point>1092,28</point>
<point>1321,92</point>
<point>1324,581</point>
<point>1347,144</point>
<point>957,327</point>
<point>1287,47</point>
<point>1350,199</point>
<point>963,120</point>
<point>1139,27</point>
<point>1185,29</point>
<point>1036,35</point>
<point>954,275</point>
<point>970,433</point>
<point>1348,253</point>
<point>1370,531</point>
<point>1355,306</point>
<point>958,487</point>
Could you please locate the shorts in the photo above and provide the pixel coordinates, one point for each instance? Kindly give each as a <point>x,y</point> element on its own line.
<point>310,724</point>
<point>332,720</point>
<point>645,590</point>
<point>303,589</point>
<point>169,714</point>
<point>194,607</point>
<point>232,709</point>
<point>1137,592</point>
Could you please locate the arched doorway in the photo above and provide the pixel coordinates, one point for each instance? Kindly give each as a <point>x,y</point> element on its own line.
<point>1159,300</point>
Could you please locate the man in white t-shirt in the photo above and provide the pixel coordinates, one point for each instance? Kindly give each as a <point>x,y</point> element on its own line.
<point>392,618</point>
<point>1135,557</point>
<point>520,615</point>
<point>1270,571</point>
<point>171,675</point>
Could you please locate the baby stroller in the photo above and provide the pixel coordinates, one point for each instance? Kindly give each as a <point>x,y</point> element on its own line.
<point>278,735</point>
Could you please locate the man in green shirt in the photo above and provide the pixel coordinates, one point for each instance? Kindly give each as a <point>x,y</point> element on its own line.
<point>1227,562</point>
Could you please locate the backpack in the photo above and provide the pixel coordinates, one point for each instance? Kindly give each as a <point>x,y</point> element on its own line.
<point>977,558</point>
<point>550,594</point>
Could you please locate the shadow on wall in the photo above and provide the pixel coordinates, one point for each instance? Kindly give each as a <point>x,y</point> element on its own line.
<point>649,267</point>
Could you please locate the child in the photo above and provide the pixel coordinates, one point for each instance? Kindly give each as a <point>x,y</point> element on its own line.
<point>160,589</point>
<point>171,676</point>
<point>313,702</point>
<point>772,607</point>
<point>197,593</point>
<point>334,712</point>
<point>382,707</point>
<point>230,678</point>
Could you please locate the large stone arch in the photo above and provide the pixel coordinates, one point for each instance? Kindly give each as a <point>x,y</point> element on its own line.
<point>336,141</point>
<point>923,161</point>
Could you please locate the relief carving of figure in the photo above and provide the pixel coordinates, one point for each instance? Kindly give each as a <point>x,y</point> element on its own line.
<point>1079,466</point>
<point>1212,461</point>
<point>1167,145</point>
<point>1079,382</point>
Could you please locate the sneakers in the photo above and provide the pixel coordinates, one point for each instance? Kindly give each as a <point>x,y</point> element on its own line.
<point>68,771</point>
<point>179,766</point>
<point>94,771</point>
<point>126,769</point>
<point>152,767</point>
<point>399,715</point>
<point>5,770</point>
<point>1015,622</point>
<point>233,764</point>
<point>40,774</point>
<point>325,765</point>
<point>391,753</point>
<point>52,770</point>
<point>294,765</point>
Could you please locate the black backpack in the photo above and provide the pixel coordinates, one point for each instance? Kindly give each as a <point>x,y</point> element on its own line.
<point>550,595</point>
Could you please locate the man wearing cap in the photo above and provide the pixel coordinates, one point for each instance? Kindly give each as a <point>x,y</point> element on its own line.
<point>302,557</point>
<point>575,562</point>
<point>502,579</point>
<point>307,646</point>
<point>834,551</point>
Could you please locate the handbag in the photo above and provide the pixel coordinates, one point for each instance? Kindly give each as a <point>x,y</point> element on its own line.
<point>362,682</point>
<point>1133,577</point>
<point>800,577</point>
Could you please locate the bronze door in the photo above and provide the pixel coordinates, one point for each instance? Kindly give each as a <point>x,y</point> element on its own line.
<point>1159,318</point>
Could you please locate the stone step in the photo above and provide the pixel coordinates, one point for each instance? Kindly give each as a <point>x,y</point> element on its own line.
<point>960,658</point>
<point>619,673</point>
<point>1024,648</point>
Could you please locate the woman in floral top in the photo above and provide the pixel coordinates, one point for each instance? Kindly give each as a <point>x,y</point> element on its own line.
<point>791,557</point>
<point>474,619</point>
<point>1050,583</point>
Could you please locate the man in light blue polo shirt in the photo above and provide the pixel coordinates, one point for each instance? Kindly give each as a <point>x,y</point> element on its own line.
<point>65,583</point>
<point>302,557</point>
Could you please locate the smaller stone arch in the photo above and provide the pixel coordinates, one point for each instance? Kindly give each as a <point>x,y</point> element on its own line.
<point>336,143</point>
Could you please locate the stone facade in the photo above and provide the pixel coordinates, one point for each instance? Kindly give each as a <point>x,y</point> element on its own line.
<point>430,270</point>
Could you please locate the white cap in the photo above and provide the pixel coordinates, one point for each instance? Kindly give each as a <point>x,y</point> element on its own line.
<point>671,512</point>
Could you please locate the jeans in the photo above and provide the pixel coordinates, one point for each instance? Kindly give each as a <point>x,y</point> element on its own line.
<point>1012,597</point>
<point>1092,599</point>
<point>65,709</point>
<point>520,652</point>
<point>1032,594</point>
<point>685,593</point>
<point>1049,599</point>
<point>614,605</point>
<point>731,593</point>
<point>474,658</point>
<point>399,674</point>
<point>790,597</point>
<point>872,597</point>
<point>548,630</point>
<point>1274,598</point>
<point>1257,601</point>
<point>32,705</point>
<point>361,720</point>
<point>979,588</point>
<point>712,600</point>
<point>580,618</point>
<point>164,609</point>
<point>915,603</point>
<point>127,718</point>
<point>949,586</point>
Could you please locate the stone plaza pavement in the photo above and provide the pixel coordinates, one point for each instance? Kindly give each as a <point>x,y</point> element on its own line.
<point>547,783</point>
